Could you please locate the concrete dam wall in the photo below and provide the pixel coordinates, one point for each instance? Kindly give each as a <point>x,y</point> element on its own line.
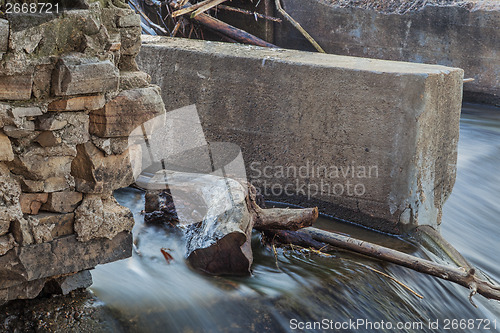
<point>366,140</point>
<point>465,34</point>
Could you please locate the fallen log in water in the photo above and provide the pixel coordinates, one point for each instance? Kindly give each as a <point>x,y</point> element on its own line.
<point>230,233</point>
<point>464,277</point>
<point>219,215</point>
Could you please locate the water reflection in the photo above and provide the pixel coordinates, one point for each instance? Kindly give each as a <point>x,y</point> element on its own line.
<point>147,294</point>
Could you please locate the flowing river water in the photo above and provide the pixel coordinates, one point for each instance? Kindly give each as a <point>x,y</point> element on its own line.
<point>145,293</point>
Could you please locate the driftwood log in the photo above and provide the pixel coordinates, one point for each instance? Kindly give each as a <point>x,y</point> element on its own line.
<point>219,214</point>
<point>229,234</point>
<point>317,238</point>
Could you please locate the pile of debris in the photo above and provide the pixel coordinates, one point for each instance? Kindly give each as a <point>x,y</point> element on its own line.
<point>200,20</point>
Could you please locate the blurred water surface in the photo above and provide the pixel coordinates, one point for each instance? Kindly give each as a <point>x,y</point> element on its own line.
<point>147,294</point>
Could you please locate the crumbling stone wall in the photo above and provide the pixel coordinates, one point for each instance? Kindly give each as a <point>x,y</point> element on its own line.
<point>70,93</point>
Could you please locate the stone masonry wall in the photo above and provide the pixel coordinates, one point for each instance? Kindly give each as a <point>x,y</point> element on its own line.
<point>70,93</point>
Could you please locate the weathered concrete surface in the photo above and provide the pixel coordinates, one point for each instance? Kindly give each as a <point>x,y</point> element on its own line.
<point>445,35</point>
<point>291,110</point>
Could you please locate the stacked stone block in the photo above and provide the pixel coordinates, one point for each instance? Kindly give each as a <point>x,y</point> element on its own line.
<point>70,94</point>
